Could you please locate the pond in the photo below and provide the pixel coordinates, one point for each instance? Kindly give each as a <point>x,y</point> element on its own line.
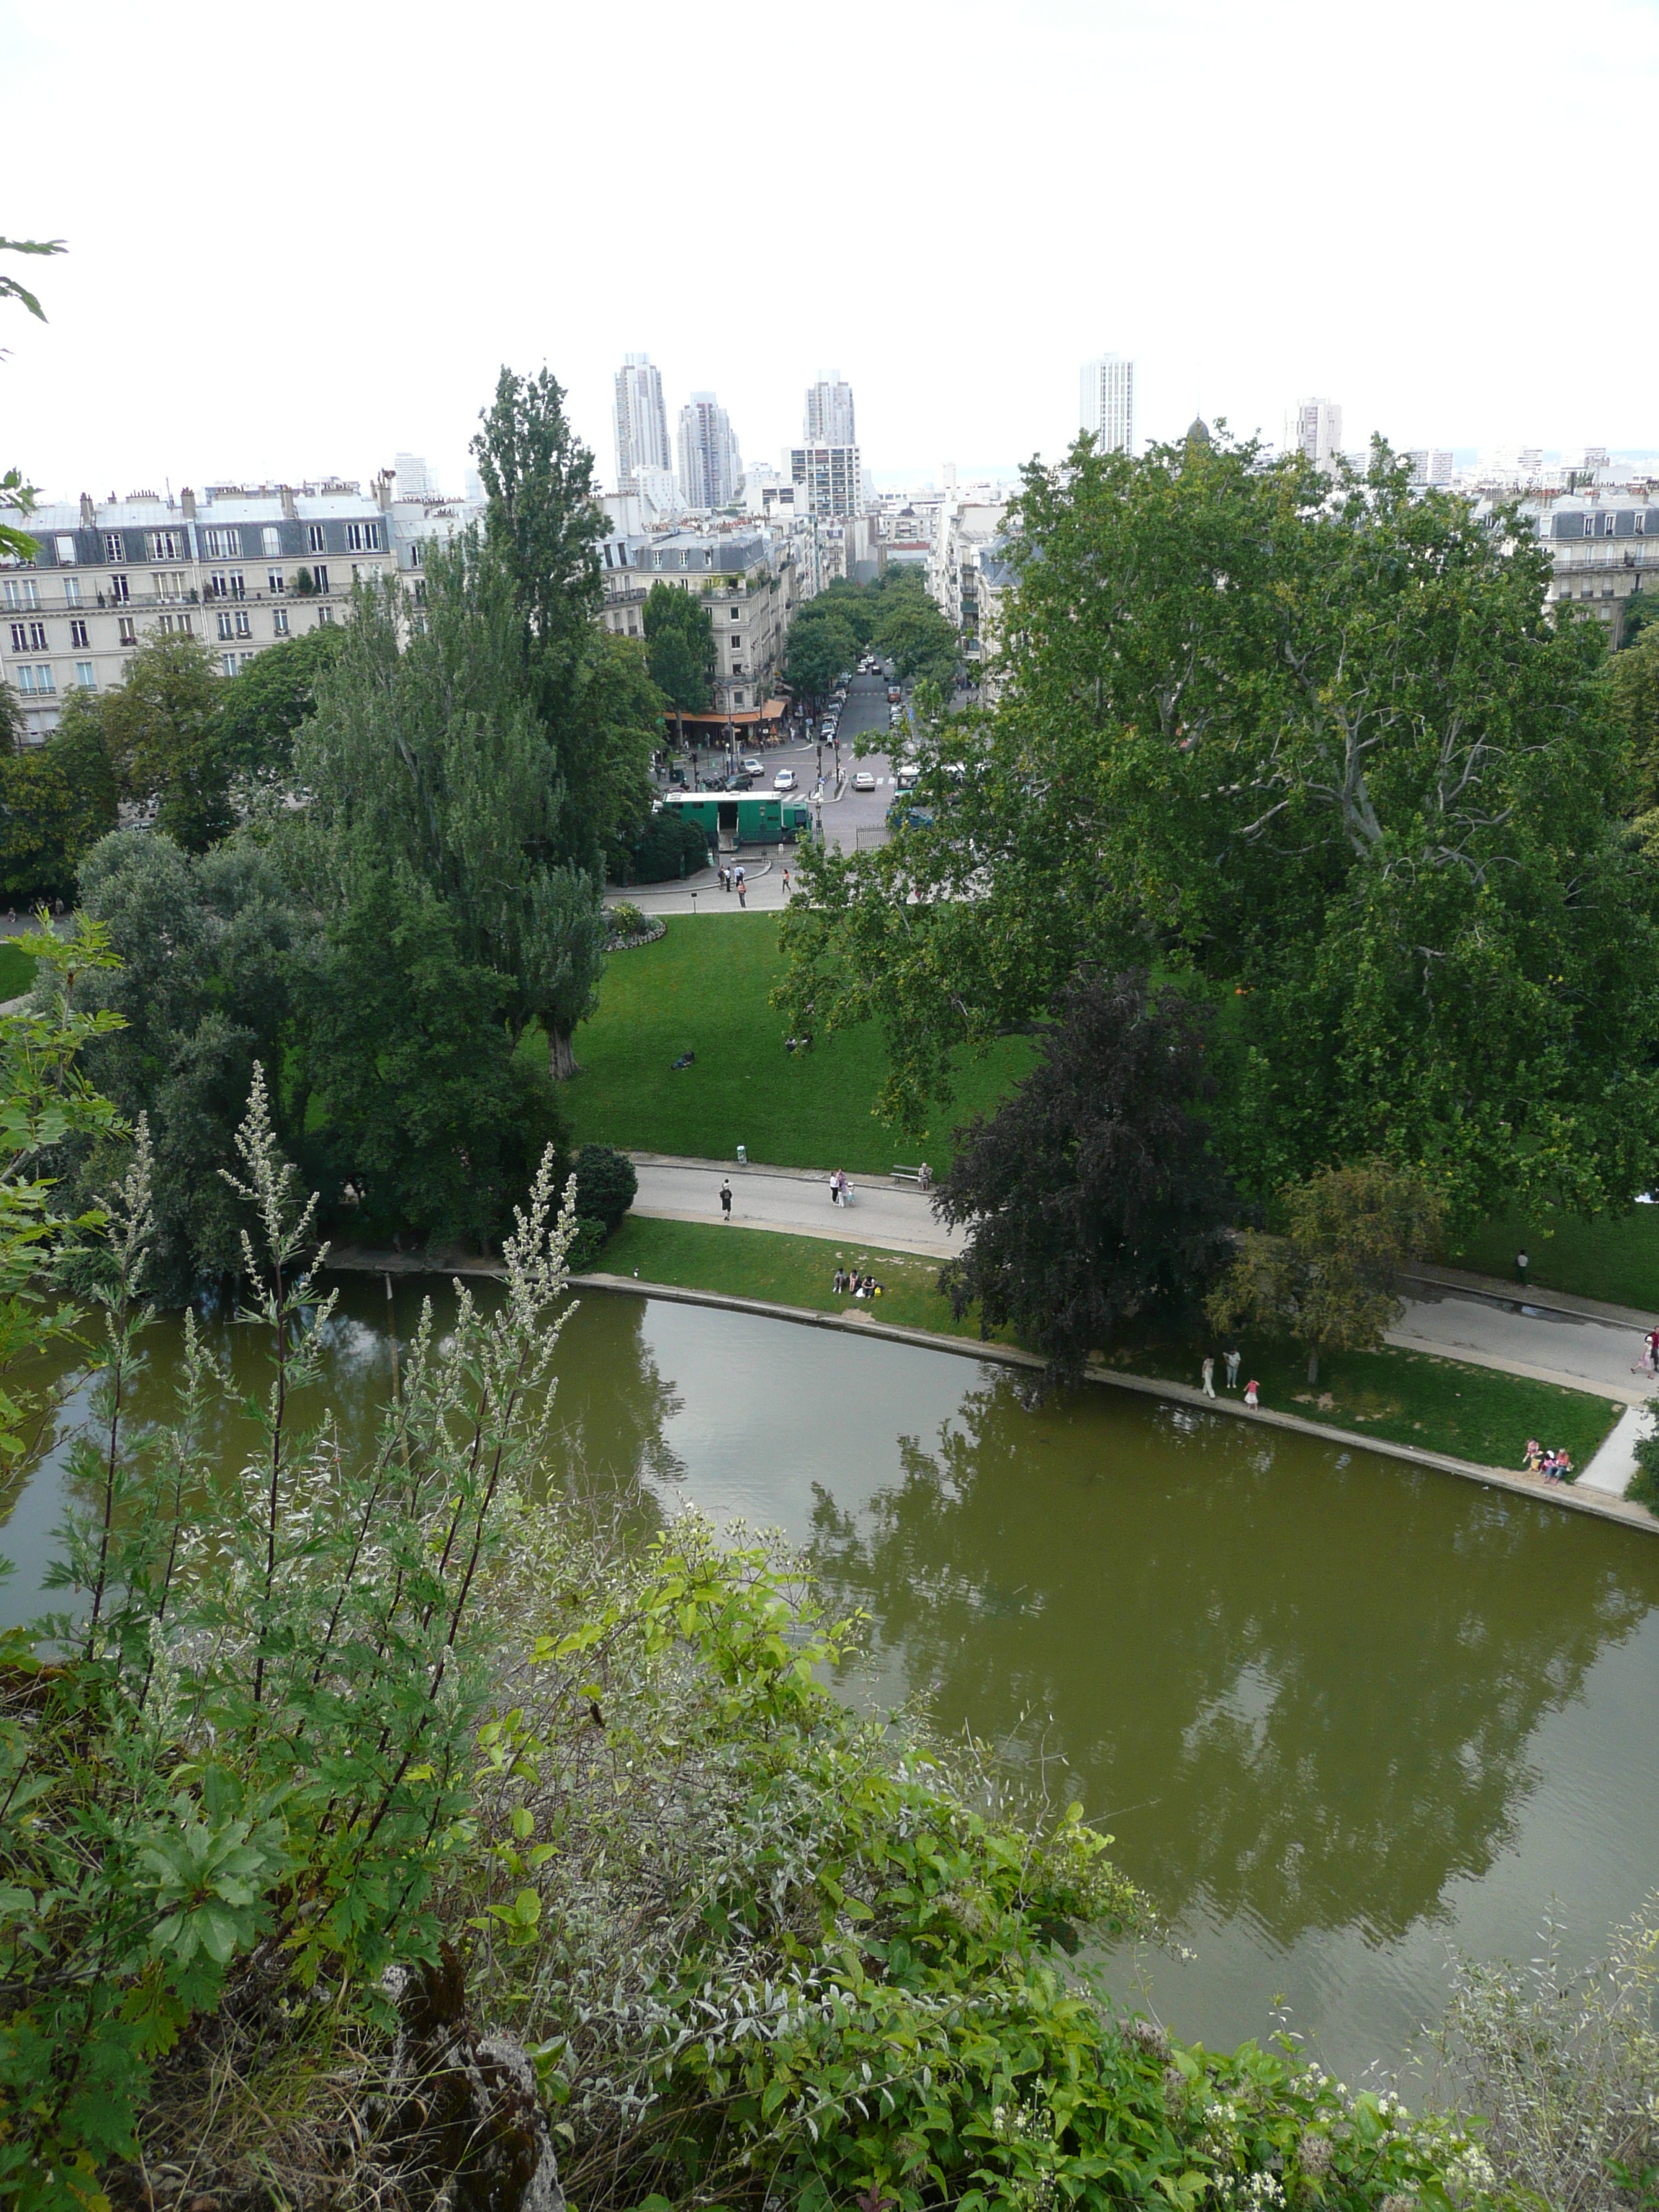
<point>1338,1714</point>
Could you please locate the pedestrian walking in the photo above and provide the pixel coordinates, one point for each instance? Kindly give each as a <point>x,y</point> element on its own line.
<point>725,1201</point>
<point>1521,1264</point>
<point>743,893</point>
<point>1250,1391</point>
<point>1232,1371</point>
<point>1207,1372</point>
<point>785,883</point>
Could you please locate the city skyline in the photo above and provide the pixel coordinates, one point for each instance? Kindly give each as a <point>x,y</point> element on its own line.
<point>335,349</point>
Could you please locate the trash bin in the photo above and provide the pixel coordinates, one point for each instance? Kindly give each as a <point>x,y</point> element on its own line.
<point>743,1155</point>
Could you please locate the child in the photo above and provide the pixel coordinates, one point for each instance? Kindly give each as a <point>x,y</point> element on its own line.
<point>1250,1391</point>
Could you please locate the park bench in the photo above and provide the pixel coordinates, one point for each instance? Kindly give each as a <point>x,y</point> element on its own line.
<point>902,1174</point>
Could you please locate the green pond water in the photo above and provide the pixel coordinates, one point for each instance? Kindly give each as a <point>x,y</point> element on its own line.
<point>1338,1714</point>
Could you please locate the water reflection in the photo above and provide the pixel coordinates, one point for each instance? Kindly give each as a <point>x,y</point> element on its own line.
<point>1335,1712</point>
<point>1297,1687</point>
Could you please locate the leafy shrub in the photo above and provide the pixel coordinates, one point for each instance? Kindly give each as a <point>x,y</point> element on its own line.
<point>626,920</point>
<point>1565,2067</point>
<point>1644,1483</point>
<point>667,847</point>
<point>771,1950</point>
<point>605,1184</point>
<point>247,1762</point>
<point>590,1241</point>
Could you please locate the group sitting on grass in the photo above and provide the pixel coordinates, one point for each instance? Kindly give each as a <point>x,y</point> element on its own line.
<point>846,1281</point>
<point>1554,1465</point>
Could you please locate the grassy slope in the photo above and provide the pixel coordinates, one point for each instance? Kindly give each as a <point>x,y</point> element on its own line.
<point>703,988</point>
<point>1613,1256</point>
<point>16,970</point>
<point>1406,1397</point>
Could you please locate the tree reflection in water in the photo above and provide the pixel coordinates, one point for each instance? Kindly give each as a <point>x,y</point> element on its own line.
<point>1297,1685</point>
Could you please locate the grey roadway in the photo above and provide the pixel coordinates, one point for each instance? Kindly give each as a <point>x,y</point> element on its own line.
<point>1562,1342</point>
<point>845,812</point>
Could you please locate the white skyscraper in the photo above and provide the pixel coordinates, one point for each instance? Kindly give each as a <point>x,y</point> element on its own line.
<point>711,467</point>
<point>1106,407</point>
<point>829,420</point>
<point>641,422</point>
<point>1314,427</point>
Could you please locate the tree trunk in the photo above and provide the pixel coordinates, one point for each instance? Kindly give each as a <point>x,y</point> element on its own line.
<point>1313,1365</point>
<point>560,1058</point>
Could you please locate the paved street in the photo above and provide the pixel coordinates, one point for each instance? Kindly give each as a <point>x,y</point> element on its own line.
<point>865,710</point>
<point>882,1212</point>
<point>1580,1351</point>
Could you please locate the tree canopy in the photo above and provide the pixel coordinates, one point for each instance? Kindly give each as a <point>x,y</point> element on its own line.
<point>1316,748</point>
<point>679,648</point>
<point>1330,1283</point>
<point>1092,1193</point>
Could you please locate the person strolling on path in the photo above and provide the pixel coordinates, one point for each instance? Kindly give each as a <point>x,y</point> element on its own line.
<point>1207,1372</point>
<point>725,1201</point>
<point>1232,1369</point>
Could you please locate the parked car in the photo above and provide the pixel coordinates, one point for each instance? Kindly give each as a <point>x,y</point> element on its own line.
<point>894,692</point>
<point>784,779</point>
<point>864,780</point>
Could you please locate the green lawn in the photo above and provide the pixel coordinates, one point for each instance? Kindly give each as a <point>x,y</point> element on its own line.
<point>1406,1397</point>
<point>16,970</point>
<point>1614,1256</point>
<point>790,1271</point>
<point>703,988</point>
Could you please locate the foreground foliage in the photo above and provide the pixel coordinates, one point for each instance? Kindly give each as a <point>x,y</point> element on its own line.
<point>1567,2068</point>
<point>235,1767</point>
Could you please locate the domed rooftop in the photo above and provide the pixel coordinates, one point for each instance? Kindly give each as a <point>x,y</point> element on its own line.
<point>1198,432</point>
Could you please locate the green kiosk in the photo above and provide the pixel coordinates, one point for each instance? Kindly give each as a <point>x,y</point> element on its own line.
<point>731,818</point>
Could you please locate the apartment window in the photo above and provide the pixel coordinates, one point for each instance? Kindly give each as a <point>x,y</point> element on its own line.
<point>170,584</point>
<point>225,629</point>
<point>20,638</point>
<point>166,544</point>
<point>272,540</point>
<point>129,629</point>
<point>277,582</point>
<point>325,614</point>
<point>21,592</point>
<point>316,538</point>
<point>735,670</point>
<point>71,590</point>
<point>417,556</point>
<point>736,696</point>
<point>113,549</point>
<point>36,680</point>
<point>362,538</point>
<point>85,676</point>
<point>228,660</point>
<point>737,614</point>
<point>78,634</point>
<point>244,628</point>
<point>224,545</point>
<point>685,560</point>
<point>708,557</point>
<point>420,591</point>
<point>319,577</point>
<point>279,622</point>
<point>238,586</point>
<point>118,592</point>
<point>656,560</point>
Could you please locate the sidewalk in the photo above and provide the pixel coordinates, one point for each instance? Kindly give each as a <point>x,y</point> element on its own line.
<point>893,1216</point>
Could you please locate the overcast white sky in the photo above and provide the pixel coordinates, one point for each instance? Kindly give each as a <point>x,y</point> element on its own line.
<point>301,240</point>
